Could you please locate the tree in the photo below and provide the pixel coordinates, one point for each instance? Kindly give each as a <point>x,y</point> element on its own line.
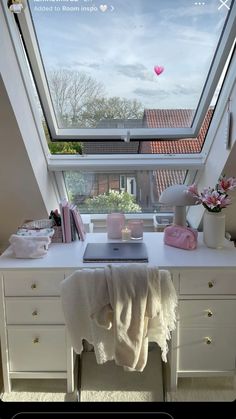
<point>80,101</point>
<point>112,108</point>
<point>63,147</point>
<point>71,92</point>
<point>59,82</point>
<point>78,185</point>
<point>112,201</point>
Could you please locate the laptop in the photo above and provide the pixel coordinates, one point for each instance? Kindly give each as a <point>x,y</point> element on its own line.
<point>115,252</point>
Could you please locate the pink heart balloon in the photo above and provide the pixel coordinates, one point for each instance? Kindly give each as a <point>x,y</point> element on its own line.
<point>158,69</point>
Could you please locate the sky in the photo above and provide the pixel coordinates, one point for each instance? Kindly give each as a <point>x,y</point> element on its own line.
<point>119,42</point>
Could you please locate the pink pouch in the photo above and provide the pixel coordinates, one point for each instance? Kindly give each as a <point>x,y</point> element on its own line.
<point>180,236</point>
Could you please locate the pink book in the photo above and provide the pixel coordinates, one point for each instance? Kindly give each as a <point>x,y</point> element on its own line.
<point>67,222</point>
<point>78,223</point>
<point>62,202</point>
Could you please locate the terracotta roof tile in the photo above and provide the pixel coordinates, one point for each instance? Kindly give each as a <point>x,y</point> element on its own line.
<point>164,118</point>
<point>167,177</point>
<point>179,118</point>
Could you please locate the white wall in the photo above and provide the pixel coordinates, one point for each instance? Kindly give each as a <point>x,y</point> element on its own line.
<point>20,196</point>
<point>27,189</point>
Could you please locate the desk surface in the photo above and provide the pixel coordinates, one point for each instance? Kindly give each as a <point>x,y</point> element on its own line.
<point>70,255</point>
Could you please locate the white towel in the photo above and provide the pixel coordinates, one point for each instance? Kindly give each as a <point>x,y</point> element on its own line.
<point>29,246</point>
<point>128,291</point>
<point>163,303</point>
<point>119,309</point>
<point>143,302</point>
<point>81,293</point>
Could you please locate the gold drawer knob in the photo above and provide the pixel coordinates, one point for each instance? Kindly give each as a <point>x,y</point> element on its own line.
<point>34,313</point>
<point>33,286</point>
<point>208,340</point>
<point>210,284</point>
<point>209,313</point>
<point>36,340</point>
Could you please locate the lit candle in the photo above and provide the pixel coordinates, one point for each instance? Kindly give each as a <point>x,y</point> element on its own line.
<point>125,233</point>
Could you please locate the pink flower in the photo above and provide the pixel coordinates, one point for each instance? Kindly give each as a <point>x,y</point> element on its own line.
<point>225,184</point>
<point>211,198</point>
<point>214,199</point>
<point>225,201</point>
<point>193,189</point>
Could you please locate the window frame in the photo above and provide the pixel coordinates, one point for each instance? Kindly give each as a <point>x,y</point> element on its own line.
<point>195,163</point>
<point>88,134</point>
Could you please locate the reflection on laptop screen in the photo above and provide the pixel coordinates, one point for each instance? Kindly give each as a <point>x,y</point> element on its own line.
<point>115,252</point>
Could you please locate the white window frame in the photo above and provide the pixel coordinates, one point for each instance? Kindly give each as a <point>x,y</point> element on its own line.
<point>56,133</point>
<point>57,164</point>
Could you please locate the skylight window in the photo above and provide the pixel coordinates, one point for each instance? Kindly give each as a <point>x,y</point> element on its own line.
<point>102,70</point>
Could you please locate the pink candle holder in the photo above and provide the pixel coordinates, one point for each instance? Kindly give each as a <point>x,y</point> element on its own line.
<point>115,223</point>
<point>136,228</point>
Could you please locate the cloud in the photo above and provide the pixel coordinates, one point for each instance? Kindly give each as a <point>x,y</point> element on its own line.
<point>151,93</point>
<point>138,71</point>
<point>121,49</point>
<point>85,64</point>
<point>182,90</point>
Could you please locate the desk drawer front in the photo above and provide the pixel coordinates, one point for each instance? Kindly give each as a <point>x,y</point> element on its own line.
<point>34,310</point>
<point>207,312</point>
<point>33,283</point>
<point>210,282</point>
<point>37,348</point>
<point>195,354</point>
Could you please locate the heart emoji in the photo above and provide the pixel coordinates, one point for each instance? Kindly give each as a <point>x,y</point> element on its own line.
<point>103,7</point>
<point>158,69</point>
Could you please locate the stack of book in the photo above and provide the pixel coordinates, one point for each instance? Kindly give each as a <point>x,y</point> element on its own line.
<point>71,222</point>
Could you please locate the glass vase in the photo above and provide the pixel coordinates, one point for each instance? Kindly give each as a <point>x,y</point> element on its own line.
<point>214,229</point>
<point>115,223</point>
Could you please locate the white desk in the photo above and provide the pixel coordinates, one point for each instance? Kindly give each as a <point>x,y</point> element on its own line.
<point>33,337</point>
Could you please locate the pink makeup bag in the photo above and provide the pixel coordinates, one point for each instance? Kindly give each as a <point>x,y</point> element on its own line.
<point>180,236</point>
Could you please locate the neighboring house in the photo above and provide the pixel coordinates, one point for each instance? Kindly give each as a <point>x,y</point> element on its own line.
<point>105,182</point>
<point>147,186</point>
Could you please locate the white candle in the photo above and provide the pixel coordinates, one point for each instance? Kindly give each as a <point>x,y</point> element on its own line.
<point>125,233</point>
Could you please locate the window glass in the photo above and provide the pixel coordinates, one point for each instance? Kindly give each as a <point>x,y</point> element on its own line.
<point>129,192</point>
<point>127,63</point>
<point>168,146</point>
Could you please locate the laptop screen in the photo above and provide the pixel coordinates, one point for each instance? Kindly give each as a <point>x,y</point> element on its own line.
<point>115,252</point>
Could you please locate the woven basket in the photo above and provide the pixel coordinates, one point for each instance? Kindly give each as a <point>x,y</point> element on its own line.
<point>57,236</point>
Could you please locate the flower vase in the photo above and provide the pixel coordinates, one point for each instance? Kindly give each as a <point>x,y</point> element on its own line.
<point>214,229</point>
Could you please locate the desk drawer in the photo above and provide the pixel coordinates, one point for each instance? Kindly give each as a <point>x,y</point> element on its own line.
<point>33,282</point>
<point>39,310</point>
<point>196,355</point>
<point>37,348</point>
<point>212,282</point>
<point>207,313</point>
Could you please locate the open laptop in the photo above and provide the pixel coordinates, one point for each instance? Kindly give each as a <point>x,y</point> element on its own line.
<point>115,252</point>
